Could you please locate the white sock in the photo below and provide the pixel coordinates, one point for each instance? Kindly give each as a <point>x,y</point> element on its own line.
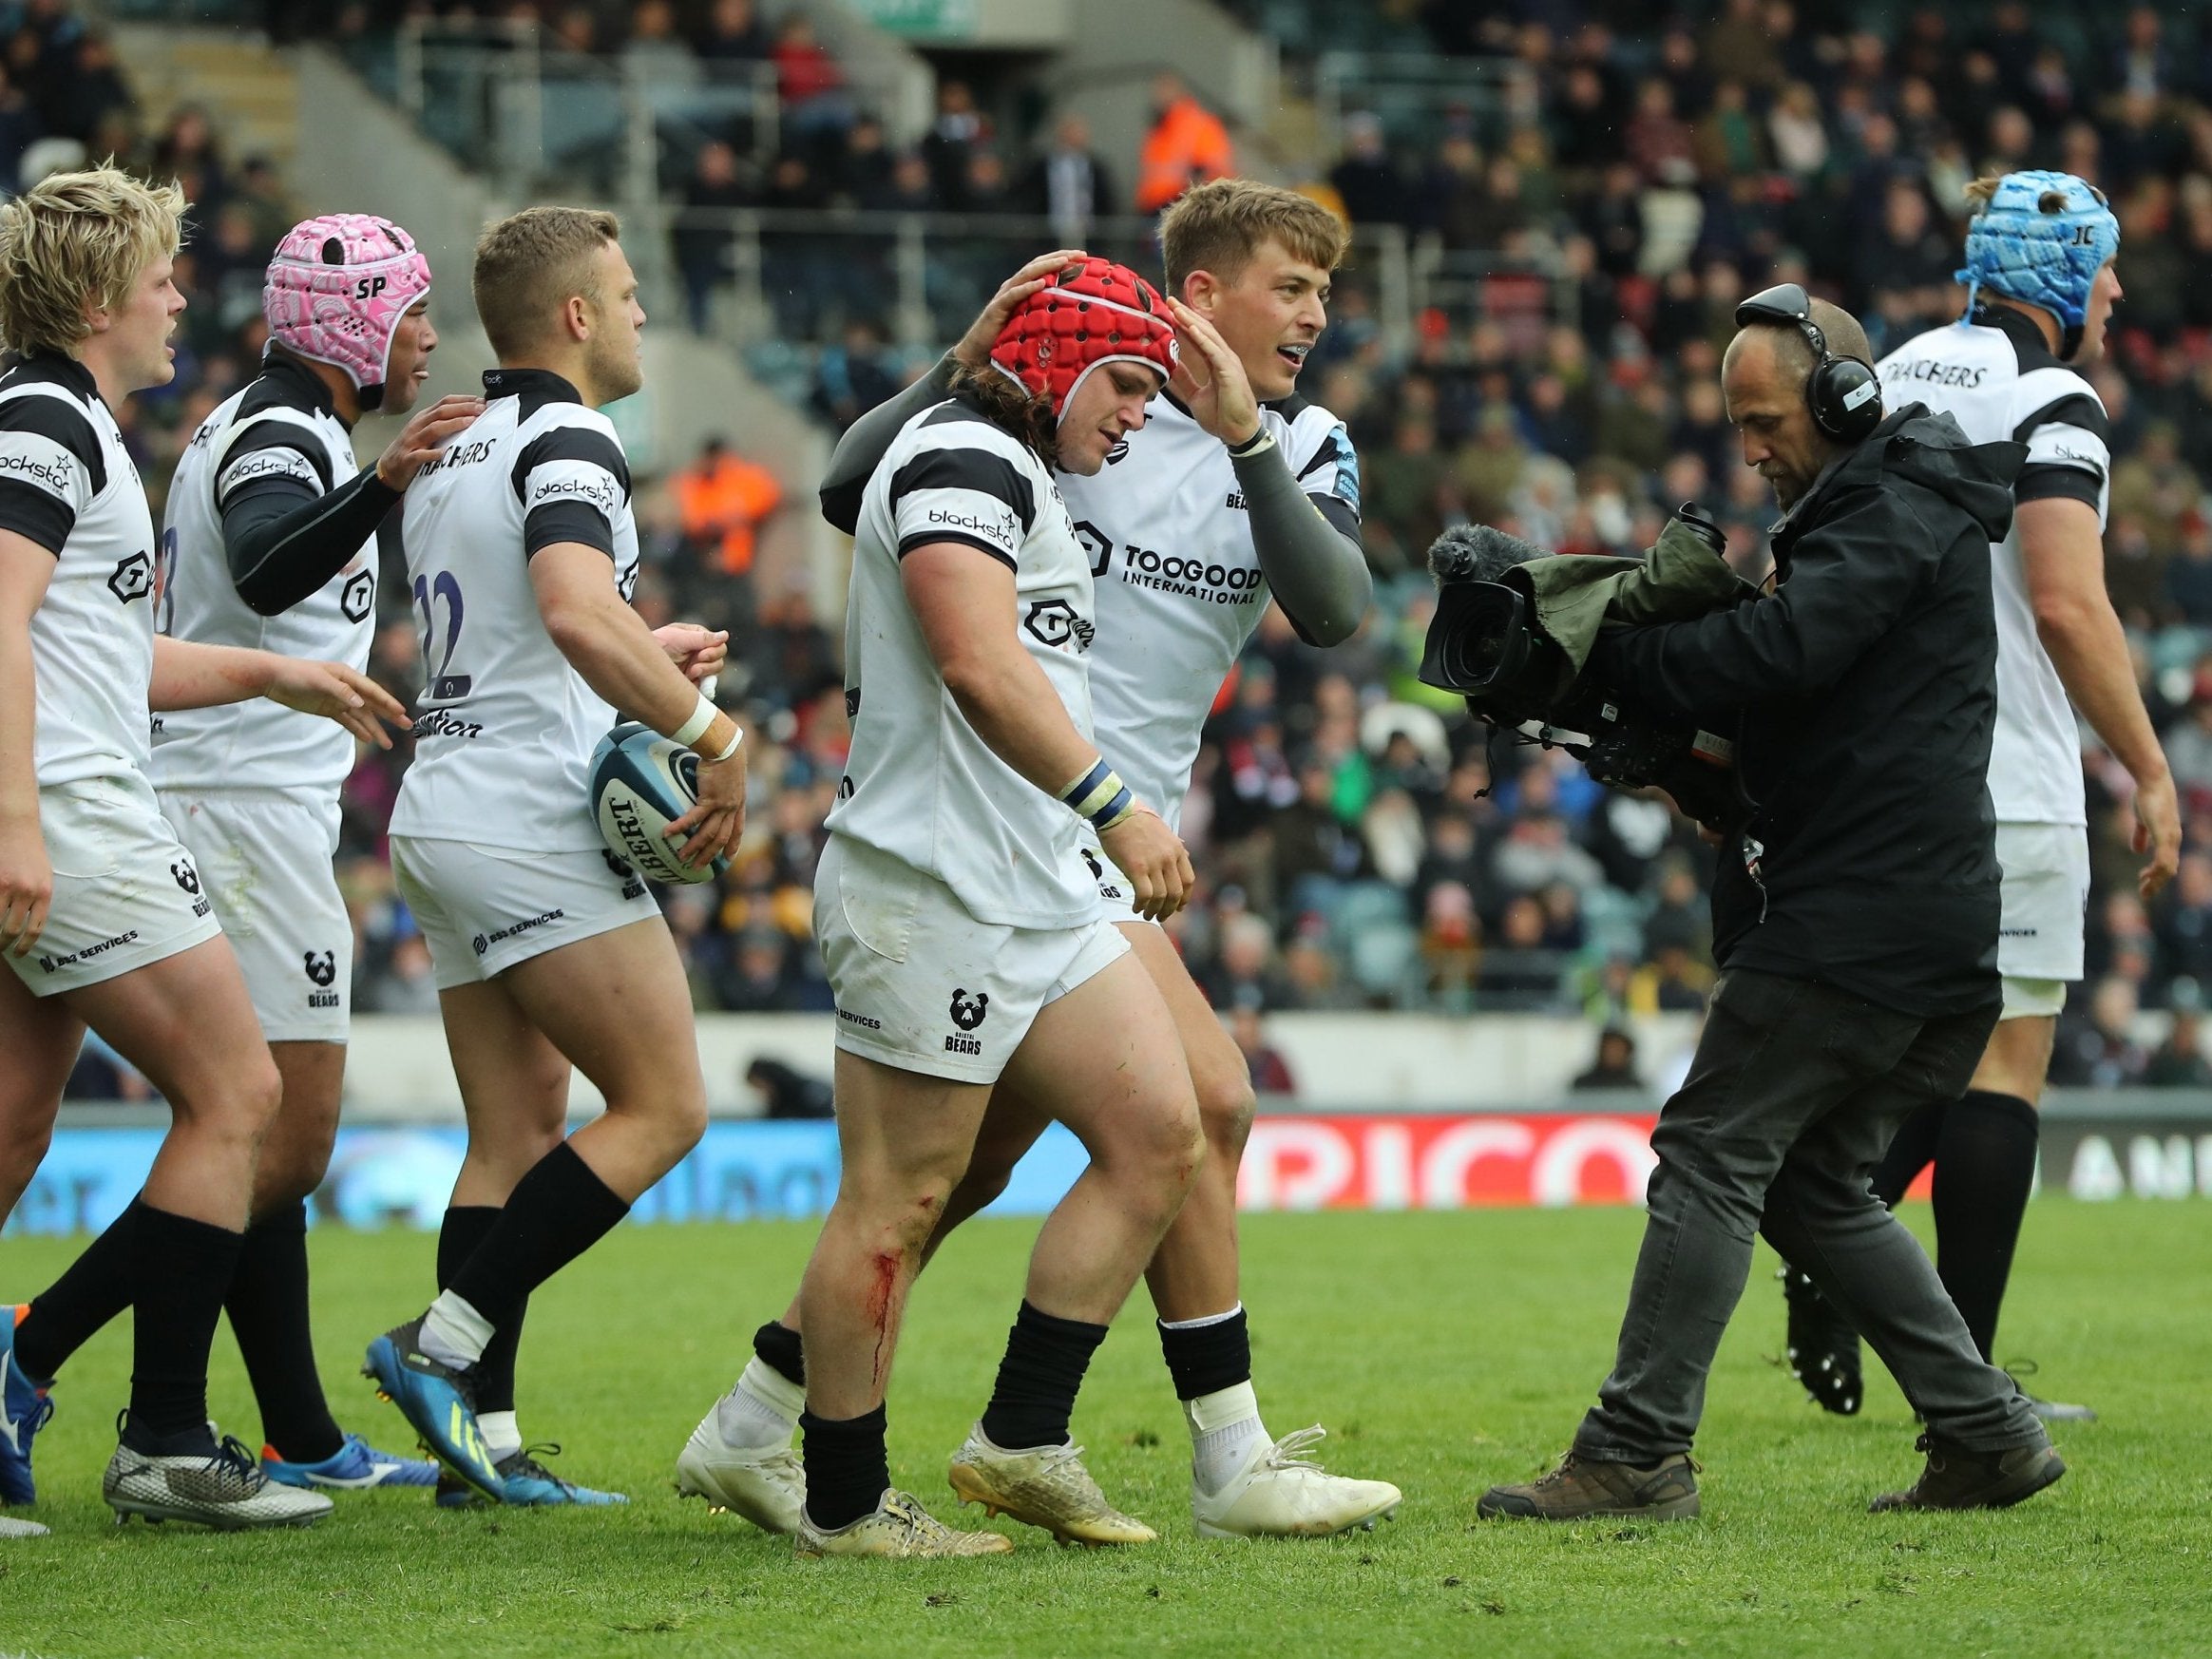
<point>502,1438</point>
<point>763,1410</point>
<point>1224,1427</point>
<point>454,1333</point>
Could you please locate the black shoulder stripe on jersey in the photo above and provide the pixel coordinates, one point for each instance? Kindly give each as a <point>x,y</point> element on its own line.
<point>566,521</point>
<point>956,409</point>
<point>286,383</point>
<point>276,435</point>
<point>1290,408</point>
<point>36,516</point>
<point>930,538</point>
<point>2049,481</point>
<point>1331,451</point>
<point>1338,512</point>
<point>53,417</point>
<point>977,469</point>
<point>2028,350</point>
<point>2076,409</point>
<point>571,444</point>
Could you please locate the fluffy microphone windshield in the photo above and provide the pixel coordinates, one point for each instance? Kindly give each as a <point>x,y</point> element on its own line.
<point>1480,553</point>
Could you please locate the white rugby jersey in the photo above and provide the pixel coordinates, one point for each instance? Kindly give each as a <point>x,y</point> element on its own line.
<point>1179,584</point>
<point>1994,377</point>
<point>68,484</point>
<point>919,784</point>
<point>280,425</point>
<point>505,727</point>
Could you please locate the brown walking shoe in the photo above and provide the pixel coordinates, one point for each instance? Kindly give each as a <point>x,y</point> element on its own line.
<point>1958,1479</point>
<point>1582,1487</point>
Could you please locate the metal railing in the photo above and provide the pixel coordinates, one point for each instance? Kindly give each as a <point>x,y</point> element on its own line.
<point>1413,93</point>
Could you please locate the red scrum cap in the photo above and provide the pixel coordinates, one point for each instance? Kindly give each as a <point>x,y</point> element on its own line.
<point>1093,312</point>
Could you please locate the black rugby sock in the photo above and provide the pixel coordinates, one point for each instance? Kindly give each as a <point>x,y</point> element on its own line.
<point>846,1466</point>
<point>91,1290</point>
<point>183,1269</point>
<point>1984,1166</point>
<point>1205,1359</point>
<point>1034,1395</point>
<point>1910,1149</point>
<point>779,1347</point>
<point>268,1308</point>
<point>556,1213</point>
<point>466,1226</point>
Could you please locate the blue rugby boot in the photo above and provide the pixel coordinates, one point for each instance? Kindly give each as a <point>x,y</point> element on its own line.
<point>23,1410</point>
<point>528,1484</point>
<point>354,1466</point>
<point>435,1400</point>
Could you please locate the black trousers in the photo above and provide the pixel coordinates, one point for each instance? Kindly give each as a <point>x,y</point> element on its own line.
<point>1795,1092</point>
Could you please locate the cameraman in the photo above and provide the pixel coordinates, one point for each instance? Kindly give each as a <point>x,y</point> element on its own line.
<point>1854,916</point>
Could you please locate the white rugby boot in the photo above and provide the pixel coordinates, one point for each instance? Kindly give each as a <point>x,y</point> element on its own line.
<point>1282,1492</point>
<point>897,1526</point>
<point>765,1484</point>
<point>224,1488</point>
<point>11,1527</point>
<point>1046,1486</point>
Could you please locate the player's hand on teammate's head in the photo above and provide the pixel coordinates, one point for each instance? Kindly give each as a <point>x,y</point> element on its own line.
<point>1156,861</point>
<point>426,431</point>
<point>975,345</point>
<point>711,829</point>
<point>336,692</point>
<point>2158,832</point>
<point>27,883</point>
<point>1210,379</point>
<point>700,650</point>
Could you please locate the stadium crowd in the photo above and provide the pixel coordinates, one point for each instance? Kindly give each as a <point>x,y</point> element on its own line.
<point>1359,843</point>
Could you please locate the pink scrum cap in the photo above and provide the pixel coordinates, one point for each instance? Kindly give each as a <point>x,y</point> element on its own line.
<point>335,291</point>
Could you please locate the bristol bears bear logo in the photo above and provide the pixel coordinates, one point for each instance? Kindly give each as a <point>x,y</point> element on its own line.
<point>1098,869</point>
<point>967,1012</point>
<point>358,596</point>
<point>322,966</point>
<point>133,578</point>
<point>185,876</point>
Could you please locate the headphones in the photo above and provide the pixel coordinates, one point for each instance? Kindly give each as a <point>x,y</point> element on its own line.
<point>1844,393</point>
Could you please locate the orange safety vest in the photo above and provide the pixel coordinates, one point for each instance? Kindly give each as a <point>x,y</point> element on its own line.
<point>725,505</point>
<point>1186,146</point>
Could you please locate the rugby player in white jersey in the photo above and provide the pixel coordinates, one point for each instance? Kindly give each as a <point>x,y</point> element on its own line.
<point>270,545</point>
<point>2040,255</point>
<point>1236,489</point>
<point>522,553</point>
<point>102,917</point>
<point>959,922</point>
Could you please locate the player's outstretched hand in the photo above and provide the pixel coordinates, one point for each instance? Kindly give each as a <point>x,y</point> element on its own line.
<point>1210,379</point>
<point>336,692</point>
<point>698,650</point>
<point>975,345</point>
<point>2158,831</point>
<point>711,828</point>
<point>423,436</point>
<point>26,885</point>
<point>1154,860</point>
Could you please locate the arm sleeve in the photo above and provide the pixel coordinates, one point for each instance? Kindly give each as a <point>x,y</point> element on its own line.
<point>1307,545</point>
<point>1849,582</point>
<point>574,486</point>
<point>958,493</point>
<point>283,540</point>
<point>50,468</point>
<point>868,439</point>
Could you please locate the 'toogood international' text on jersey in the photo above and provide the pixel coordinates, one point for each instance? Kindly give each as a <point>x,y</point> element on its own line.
<point>68,484</point>
<point>920,784</point>
<point>1179,584</point>
<point>505,727</point>
<point>282,426</point>
<point>1994,377</point>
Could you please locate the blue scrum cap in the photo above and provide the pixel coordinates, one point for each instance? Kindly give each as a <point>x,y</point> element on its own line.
<point>2042,240</point>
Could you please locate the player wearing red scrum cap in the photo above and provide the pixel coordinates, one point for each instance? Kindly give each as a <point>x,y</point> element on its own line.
<point>959,922</point>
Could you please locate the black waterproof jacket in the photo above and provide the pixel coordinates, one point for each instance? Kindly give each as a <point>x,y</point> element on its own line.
<point>1862,691</point>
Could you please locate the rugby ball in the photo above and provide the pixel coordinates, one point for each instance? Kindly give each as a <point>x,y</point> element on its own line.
<point>641,784</point>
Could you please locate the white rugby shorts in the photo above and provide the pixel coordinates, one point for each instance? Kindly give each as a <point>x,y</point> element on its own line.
<point>2045,911</point>
<point>483,909</point>
<point>265,857</point>
<point>923,985</point>
<point>126,892</point>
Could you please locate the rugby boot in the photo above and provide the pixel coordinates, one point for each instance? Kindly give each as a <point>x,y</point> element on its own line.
<point>219,1487</point>
<point>1045,1486</point>
<point>1282,1492</point>
<point>765,1484</point>
<point>437,1401</point>
<point>897,1526</point>
<point>1824,1347</point>
<point>354,1466</point>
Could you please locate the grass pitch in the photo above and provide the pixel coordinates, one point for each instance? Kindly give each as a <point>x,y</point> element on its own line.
<point>1443,1351</point>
